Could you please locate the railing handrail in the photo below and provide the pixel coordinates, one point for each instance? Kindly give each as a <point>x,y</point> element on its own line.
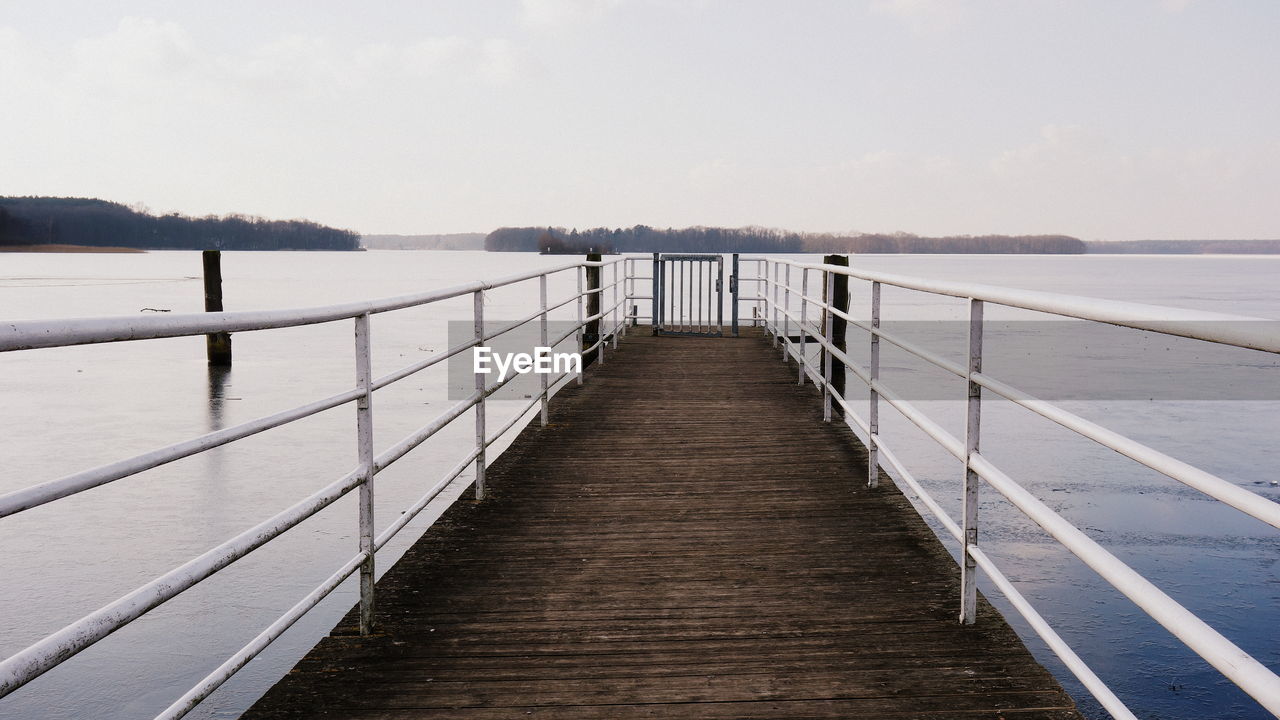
<point>1258,334</point>
<point>1254,333</point>
<point>34,334</point>
<point>18,669</point>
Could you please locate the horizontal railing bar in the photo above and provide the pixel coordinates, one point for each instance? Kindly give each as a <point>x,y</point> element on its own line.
<point>600,315</point>
<point>1037,622</point>
<point>950,525</point>
<point>500,384</point>
<point>215,679</point>
<point>1041,627</point>
<point>1241,668</point>
<point>926,355</point>
<point>31,334</point>
<point>608,310</point>
<point>65,643</point>
<point>948,441</point>
<point>419,366</point>
<point>28,664</point>
<point>821,302</point>
<point>514,419</point>
<point>1237,330</point>
<point>562,303</point>
<point>1218,488</point>
<point>408,515</point>
<point>419,436</point>
<point>572,331</point>
<point>36,495</point>
<point>1237,497</point>
<point>850,414</point>
<point>513,326</point>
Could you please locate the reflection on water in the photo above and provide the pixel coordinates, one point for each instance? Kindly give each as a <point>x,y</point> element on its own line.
<point>69,409</point>
<point>219,376</point>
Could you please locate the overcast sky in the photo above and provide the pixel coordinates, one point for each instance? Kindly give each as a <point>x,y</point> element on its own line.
<point>1103,119</point>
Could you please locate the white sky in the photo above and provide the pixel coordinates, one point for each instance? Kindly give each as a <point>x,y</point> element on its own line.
<point>1104,119</point>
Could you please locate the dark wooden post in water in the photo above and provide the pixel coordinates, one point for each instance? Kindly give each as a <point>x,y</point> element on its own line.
<point>217,345</point>
<point>592,332</point>
<point>839,326</point>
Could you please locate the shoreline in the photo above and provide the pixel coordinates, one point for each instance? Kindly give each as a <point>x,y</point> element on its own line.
<point>55,248</point>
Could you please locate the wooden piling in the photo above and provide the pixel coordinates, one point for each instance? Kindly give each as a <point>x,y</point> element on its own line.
<point>217,345</point>
<point>592,332</point>
<point>839,326</point>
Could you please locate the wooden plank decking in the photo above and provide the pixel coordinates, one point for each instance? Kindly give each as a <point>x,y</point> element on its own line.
<point>686,539</point>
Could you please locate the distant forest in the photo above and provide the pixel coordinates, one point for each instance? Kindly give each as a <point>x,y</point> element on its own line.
<point>643,238</point>
<point>98,223</point>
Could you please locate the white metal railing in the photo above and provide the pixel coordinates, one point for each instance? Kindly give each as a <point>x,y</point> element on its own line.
<point>58,647</point>
<point>1239,331</point>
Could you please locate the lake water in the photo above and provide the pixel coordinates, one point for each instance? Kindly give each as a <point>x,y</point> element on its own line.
<point>69,409</point>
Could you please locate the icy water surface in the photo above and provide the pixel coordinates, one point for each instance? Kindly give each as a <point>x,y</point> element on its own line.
<point>69,409</point>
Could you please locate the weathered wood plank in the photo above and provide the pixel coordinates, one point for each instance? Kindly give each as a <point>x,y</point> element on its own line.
<point>686,539</point>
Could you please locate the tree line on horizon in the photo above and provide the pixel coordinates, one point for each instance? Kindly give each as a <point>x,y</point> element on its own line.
<point>699,239</point>
<point>100,223</point>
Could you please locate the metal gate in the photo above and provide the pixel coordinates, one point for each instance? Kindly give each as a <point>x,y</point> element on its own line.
<point>689,292</point>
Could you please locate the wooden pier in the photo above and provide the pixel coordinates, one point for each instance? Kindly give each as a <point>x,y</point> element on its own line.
<point>686,539</point>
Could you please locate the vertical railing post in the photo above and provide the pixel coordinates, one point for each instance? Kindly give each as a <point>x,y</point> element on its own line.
<point>613,314</point>
<point>973,419</point>
<point>733,293</point>
<point>763,288</point>
<point>627,290</point>
<point>777,324</point>
<point>480,428</point>
<point>657,296</point>
<point>542,328</point>
<point>828,328</point>
<point>364,447</point>
<point>718,294</point>
<point>873,413</point>
<point>679,295</point>
<point>581,272</point>
<point>696,270</point>
<point>762,291</point>
<point>786,309</point>
<point>804,320</point>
